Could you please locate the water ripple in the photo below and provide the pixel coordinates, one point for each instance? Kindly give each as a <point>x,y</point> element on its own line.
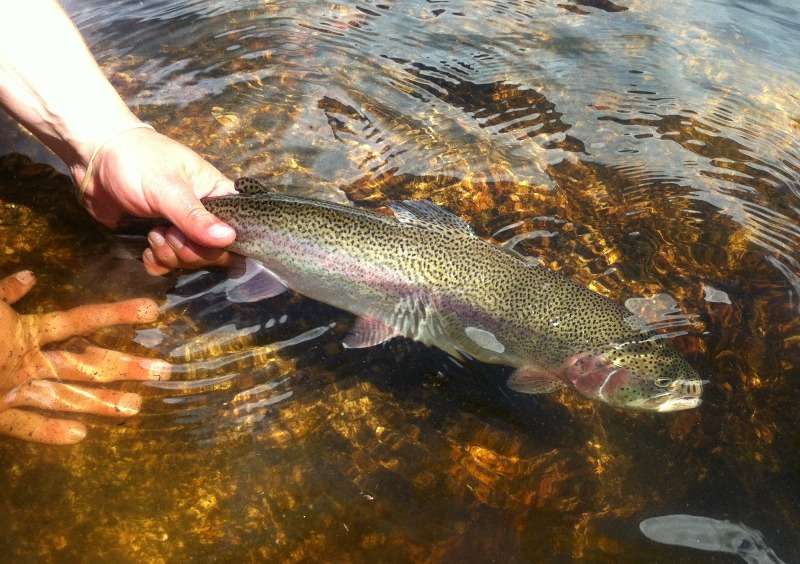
<point>642,148</point>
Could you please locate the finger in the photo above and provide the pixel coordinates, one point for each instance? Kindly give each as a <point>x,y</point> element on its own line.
<point>186,212</point>
<point>158,259</point>
<point>57,396</point>
<point>58,326</point>
<point>191,254</point>
<point>102,365</point>
<point>14,287</point>
<point>171,249</point>
<point>152,266</point>
<point>37,428</point>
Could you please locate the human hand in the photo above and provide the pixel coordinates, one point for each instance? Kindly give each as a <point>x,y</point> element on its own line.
<point>146,174</point>
<point>34,378</point>
<point>120,166</point>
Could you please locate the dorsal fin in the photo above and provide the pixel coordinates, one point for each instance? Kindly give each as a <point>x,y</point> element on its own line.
<point>424,213</point>
<point>247,185</point>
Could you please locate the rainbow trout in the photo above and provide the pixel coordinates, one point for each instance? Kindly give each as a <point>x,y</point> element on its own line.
<point>424,274</point>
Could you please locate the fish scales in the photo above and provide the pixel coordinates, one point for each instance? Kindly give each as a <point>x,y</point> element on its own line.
<point>422,273</point>
<point>340,240</point>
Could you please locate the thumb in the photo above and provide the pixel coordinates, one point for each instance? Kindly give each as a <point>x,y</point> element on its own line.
<point>197,223</point>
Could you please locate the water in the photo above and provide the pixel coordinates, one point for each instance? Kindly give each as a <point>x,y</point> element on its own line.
<point>644,149</point>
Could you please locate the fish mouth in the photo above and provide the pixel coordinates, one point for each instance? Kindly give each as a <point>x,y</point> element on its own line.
<point>666,402</point>
<point>679,404</point>
<point>683,394</point>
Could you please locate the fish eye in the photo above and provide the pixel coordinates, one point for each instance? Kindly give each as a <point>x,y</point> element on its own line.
<point>662,382</point>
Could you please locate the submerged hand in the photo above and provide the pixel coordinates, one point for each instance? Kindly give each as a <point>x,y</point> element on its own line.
<point>34,378</point>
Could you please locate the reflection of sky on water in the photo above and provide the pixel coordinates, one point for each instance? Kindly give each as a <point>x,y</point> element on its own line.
<point>713,535</point>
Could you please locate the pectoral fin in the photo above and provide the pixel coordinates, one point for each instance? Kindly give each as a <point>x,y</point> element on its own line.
<point>531,380</point>
<point>255,283</point>
<point>367,332</point>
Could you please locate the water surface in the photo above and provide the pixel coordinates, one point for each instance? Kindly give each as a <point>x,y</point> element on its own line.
<point>647,149</point>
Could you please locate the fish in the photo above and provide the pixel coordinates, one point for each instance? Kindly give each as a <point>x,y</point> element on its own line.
<point>705,533</point>
<point>421,272</point>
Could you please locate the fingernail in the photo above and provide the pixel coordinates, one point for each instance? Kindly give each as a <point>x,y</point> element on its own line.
<point>148,255</point>
<point>129,404</point>
<point>147,312</point>
<point>176,239</point>
<point>159,370</point>
<point>76,433</point>
<point>220,231</point>
<point>156,239</point>
<point>25,277</point>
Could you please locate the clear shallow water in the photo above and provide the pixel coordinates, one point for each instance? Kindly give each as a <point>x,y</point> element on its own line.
<point>651,149</point>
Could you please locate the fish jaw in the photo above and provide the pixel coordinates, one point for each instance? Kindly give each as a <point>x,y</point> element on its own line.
<point>678,396</point>
<point>599,379</point>
<point>679,404</point>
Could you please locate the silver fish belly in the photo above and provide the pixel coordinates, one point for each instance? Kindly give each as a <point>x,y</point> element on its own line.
<point>423,273</point>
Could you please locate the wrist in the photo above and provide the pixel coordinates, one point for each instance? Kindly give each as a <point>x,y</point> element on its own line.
<point>81,139</point>
<point>82,173</point>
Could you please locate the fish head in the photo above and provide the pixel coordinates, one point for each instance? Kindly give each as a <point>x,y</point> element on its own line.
<point>644,376</point>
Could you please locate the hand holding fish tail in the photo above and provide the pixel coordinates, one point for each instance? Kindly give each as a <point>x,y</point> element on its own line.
<point>31,377</point>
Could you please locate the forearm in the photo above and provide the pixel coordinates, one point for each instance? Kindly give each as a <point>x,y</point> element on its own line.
<point>51,84</point>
